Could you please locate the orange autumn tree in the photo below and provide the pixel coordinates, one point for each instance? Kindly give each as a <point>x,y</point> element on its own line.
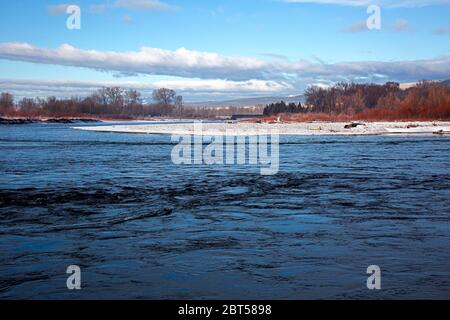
<point>425,101</point>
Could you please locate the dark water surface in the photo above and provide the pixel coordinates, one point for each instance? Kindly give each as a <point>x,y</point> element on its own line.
<point>141,227</point>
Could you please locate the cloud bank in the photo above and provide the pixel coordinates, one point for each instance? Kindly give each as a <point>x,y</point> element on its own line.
<point>195,89</point>
<point>207,65</point>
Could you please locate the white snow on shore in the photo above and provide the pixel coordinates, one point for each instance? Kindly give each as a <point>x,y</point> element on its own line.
<point>304,128</point>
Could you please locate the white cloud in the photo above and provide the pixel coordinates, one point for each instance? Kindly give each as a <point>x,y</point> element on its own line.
<point>207,65</point>
<point>442,30</point>
<point>182,62</point>
<point>401,25</point>
<point>98,8</point>
<point>359,26</point>
<point>58,9</point>
<point>143,5</point>
<point>138,5</point>
<point>127,19</point>
<point>384,3</point>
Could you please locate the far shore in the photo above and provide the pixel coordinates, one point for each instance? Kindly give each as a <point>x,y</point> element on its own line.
<point>22,120</point>
<point>74,120</point>
<point>298,128</point>
<point>62,120</point>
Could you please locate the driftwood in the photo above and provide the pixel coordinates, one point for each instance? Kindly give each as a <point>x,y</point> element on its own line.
<point>353,125</point>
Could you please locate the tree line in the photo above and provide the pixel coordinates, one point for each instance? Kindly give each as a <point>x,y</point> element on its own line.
<point>424,101</point>
<point>282,107</point>
<point>427,100</point>
<point>114,102</point>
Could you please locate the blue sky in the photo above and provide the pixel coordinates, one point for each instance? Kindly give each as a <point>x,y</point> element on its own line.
<point>211,49</point>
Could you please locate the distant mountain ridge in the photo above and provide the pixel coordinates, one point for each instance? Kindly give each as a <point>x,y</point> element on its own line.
<point>408,85</point>
<point>247,101</point>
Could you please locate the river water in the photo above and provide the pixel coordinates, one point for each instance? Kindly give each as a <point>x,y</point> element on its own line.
<point>140,226</point>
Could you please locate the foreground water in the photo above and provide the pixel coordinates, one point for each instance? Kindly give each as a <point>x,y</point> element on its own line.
<point>142,227</point>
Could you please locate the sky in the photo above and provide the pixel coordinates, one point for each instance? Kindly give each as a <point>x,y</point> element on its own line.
<point>219,49</point>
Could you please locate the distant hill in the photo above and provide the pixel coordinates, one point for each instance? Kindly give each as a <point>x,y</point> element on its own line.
<point>412,84</point>
<point>446,82</point>
<point>246,101</point>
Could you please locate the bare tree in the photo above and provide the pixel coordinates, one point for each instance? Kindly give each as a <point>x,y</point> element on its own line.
<point>132,97</point>
<point>115,96</point>
<point>29,106</point>
<point>179,106</point>
<point>6,103</point>
<point>164,96</point>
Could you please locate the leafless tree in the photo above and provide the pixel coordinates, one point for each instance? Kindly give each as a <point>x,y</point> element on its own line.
<point>6,103</point>
<point>164,96</point>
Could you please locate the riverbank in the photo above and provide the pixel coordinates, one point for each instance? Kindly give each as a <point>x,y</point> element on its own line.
<point>16,121</point>
<point>306,129</point>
